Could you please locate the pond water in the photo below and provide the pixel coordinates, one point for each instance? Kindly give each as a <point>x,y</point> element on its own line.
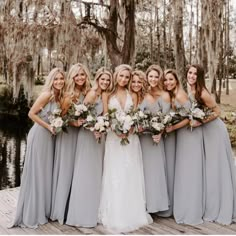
<point>13,133</point>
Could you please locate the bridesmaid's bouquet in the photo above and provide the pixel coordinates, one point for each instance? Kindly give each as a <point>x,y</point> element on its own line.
<point>97,123</point>
<point>156,124</point>
<point>79,111</point>
<point>141,120</point>
<point>198,113</point>
<point>121,123</point>
<point>57,122</point>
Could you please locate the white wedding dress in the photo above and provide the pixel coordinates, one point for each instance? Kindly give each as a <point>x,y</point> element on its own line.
<point>122,205</point>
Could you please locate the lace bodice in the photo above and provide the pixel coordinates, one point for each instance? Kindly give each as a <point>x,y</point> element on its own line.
<point>115,104</point>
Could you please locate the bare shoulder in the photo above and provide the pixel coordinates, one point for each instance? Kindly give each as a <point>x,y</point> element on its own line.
<point>149,97</point>
<point>182,96</point>
<point>44,96</point>
<point>165,96</point>
<point>206,96</point>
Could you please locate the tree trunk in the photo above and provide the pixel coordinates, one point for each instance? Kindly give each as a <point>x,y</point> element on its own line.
<point>178,41</point>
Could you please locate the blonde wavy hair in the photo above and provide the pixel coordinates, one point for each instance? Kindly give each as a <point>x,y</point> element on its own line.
<point>99,73</point>
<point>48,86</point>
<point>159,70</point>
<point>118,70</point>
<point>144,88</point>
<point>70,83</point>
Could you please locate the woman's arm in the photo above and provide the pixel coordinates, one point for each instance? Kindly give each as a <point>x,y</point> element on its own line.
<point>105,98</point>
<point>39,104</point>
<point>210,102</point>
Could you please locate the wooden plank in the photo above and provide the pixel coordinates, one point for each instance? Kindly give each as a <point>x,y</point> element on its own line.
<point>8,201</point>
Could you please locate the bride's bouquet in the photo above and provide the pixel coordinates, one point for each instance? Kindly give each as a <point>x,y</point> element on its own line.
<point>121,123</point>
<point>97,123</point>
<point>57,122</point>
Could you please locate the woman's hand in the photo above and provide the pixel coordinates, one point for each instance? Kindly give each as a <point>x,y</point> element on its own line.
<point>122,135</point>
<point>156,138</point>
<point>169,129</point>
<point>195,123</point>
<point>51,130</point>
<point>97,134</point>
<point>80,122</point>
<point>140,129</point>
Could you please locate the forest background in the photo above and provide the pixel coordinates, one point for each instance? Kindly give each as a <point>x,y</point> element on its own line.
<point>37,35</point>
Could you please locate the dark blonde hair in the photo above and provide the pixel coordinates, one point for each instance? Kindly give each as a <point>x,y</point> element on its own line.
<point>118,69</point>
<point>144,88</point>
<point>159,70</point>
<point>48,86</point>
<point>99,73</point>
<point>70,83</point>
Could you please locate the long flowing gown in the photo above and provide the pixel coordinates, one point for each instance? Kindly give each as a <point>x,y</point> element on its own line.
<point>63,168</point>
<point>86,185</point>
<point>189,175</point>
<point>169,147</point>
<point>220,174</point>
<point>34,202</point>
<point>154,164</point>
<point>122,206</point>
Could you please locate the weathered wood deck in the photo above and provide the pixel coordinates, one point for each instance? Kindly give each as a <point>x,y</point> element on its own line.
<point>8,200</point>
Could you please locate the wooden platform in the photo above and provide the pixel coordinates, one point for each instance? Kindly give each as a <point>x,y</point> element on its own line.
<point>8,200</point>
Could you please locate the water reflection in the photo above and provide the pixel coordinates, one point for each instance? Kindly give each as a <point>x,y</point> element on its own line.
<point>12,150</point>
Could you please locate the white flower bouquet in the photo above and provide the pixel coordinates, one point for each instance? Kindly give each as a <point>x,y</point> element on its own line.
<point>97,123</point>
<point>121,123</point>
<point>57,122</point>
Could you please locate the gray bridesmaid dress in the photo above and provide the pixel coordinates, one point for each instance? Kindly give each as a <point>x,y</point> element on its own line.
<point>220,174</point>
<point>64,160</point>
<point>86,185</point>
<point>34,201</point>
<point>154,164</point>
<point>169,145</point>
<point>189,175</point>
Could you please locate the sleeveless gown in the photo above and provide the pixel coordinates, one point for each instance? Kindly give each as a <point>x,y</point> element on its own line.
<point>220,174</point>
<point>63,168</point>
<point>86,185</point>
<point>34,201</point>
<point>169,147</point>
<point>154,164</point>
<point>122,206</point>
<point>189,175</point>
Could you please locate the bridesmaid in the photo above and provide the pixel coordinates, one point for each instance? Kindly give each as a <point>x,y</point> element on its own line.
<point>34,202</point>
<point>77,86</point>
<point>138,85</point>
<point>189,168</point>
<point>87,177</point>
<point>154,161</point>
<point>220,170</point>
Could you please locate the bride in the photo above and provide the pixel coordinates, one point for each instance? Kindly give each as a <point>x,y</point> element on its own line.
<point>122,206</point>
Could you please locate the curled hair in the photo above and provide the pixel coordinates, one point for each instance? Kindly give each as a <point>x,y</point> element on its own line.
<point>171,93</point>
<point>159,70</point>
<point>48,86</point>
<point>99,73</point>
<point>200,82</point>
<point>144,88</point>
<point>70,83</point>
<point>118,70</point>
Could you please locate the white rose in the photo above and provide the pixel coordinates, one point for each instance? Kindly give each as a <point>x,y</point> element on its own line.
<point>77,113</point>
<point>141,114</point>
<point>57,123</point>
<point>97,126</point>
<point>89,118</point>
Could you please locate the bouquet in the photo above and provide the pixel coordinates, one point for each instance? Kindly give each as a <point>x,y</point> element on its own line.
<point>97,123</point>
<point>56,121</point>
<point>156,125</point>
<point>121,123</point>
<point>79,111</point>
<point>197,113</point>
<point>141,120</point>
